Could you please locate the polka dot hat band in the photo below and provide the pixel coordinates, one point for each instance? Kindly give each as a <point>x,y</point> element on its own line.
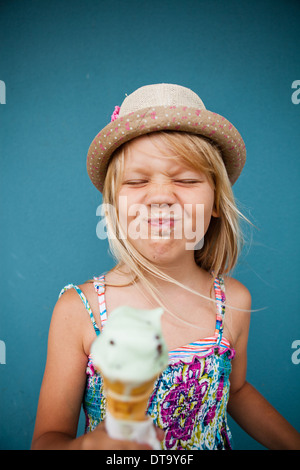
<point>164,107</point>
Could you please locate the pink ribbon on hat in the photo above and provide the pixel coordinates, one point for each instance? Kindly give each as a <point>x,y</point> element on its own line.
<point>115,114</point>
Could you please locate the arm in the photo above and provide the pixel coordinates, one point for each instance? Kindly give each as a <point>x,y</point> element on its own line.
<point>246,405</point>
<point>261,421</point>
<point>64,382</point>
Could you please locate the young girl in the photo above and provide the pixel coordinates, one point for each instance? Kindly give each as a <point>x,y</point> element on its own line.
<point>165,166</point>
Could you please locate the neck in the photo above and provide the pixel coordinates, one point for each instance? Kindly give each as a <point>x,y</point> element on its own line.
<point>184,273</point>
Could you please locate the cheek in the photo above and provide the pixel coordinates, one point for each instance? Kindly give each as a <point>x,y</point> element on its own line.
<point>132,216</point>
<point>202,214</point>
<point>124,203</point>
<point>207,201</point>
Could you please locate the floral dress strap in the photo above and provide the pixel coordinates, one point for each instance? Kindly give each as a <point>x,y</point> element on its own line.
<point>220,298</point>
<point>99,285</point>
<point>85,303</point>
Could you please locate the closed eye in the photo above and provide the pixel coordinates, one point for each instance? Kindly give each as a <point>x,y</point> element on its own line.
<point>186,181</point>
<point>177,181</point>
<point>135,182</point>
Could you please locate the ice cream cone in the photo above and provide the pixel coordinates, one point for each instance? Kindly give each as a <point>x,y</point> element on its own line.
<point>127,401</point>
<point>130,353</point>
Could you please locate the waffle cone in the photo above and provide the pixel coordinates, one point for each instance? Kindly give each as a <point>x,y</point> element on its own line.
<point>126,401</point>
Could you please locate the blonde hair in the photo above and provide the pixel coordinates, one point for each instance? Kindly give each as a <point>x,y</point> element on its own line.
<point>223,239</point>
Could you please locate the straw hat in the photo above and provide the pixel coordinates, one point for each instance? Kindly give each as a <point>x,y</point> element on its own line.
<point>163,107</point>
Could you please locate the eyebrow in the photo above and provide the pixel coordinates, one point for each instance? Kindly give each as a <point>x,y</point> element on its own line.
<point>173,171</point>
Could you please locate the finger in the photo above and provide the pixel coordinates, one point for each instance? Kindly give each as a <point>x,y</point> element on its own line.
<point>118,444</point>
<point>160,434</point>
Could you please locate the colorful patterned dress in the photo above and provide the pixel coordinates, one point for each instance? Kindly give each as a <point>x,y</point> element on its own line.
<point>190,397</point>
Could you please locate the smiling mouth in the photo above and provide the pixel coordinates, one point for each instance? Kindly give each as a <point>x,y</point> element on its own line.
<point>162,226</point>
<point>160,222</point>
<point>162,218</point>
<point>163,221</point>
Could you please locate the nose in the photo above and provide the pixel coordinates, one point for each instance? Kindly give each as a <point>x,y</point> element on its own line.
<point>161,193</point>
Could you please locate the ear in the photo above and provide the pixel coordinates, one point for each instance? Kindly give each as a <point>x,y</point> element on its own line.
<point>215,211</point>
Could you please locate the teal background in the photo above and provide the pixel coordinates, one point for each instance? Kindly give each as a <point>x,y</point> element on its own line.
<point>66,64</point>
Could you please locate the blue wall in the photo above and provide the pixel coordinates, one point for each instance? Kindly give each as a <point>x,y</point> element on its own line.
<point>66,64</point>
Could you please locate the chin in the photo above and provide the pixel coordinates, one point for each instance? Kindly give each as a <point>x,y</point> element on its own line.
<point>162,251</point>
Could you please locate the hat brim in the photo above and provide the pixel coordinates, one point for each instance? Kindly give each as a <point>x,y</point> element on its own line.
<point>166,118</point>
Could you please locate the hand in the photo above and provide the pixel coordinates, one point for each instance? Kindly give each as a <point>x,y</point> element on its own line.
<point>100,440</point>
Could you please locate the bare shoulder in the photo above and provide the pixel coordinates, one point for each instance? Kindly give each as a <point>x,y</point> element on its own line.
<point>69,304</point>
<point>237,294</point>
<point>72,305</point>
<point>70,313</point>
